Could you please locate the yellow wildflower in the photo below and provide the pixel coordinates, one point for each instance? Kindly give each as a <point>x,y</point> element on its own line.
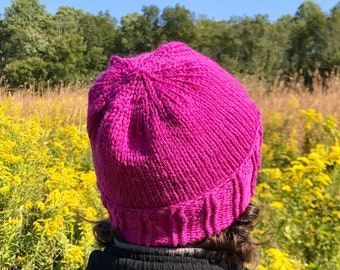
<point>22,259</point>
<point>326,219</point>
<point>309,182</point>
<point>4,190</point>
<point>277,205</point>
<point>324,179</point>
<point>16,180</point>
<point>280,259</point>
<point>74,256</point>
<point>286,188</point>
<point>41,206</point>
<point>28,205</point>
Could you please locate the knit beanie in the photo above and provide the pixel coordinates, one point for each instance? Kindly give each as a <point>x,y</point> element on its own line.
<point>176,146</point>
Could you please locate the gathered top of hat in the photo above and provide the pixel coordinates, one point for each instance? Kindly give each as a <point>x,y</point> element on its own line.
<point>176,145</point>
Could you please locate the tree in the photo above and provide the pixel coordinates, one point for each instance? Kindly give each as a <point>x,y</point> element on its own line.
<point>98,35</point>
<point>331,34</point>
<point>98,31</point>
<point>67,20</point>
<point>73,45</point>
<point>247,49</point>
<point>3,40</point>
<point>277,35</point>
<point>135,34</point>
<point>66,59</point>
<point>27,25</point>
<point>209,38</point>
<point>26,31</point>
<point>29,71</point>
<point>333,48</point>
<point>178,24</point>
<point>151,14</point>
<point>306,43</point>
<point>139,32</point>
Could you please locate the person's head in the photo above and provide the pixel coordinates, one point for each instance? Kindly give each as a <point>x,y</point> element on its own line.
<point>176,146</point>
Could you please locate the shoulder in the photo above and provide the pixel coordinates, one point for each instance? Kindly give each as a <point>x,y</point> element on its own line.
<point>100,260</point>
<point>94,260</point>
<point>232,266</point>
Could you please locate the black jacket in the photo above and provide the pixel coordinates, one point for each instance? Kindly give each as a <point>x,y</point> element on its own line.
<point>119,258</point>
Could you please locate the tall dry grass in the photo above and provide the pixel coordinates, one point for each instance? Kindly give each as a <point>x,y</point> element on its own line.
<point>279,99</point>
<point>68,102</point>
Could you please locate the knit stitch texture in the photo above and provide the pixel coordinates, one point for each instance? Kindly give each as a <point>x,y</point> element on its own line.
<point>176,145</point>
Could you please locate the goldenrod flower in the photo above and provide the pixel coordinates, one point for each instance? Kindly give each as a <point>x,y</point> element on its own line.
<point>277,205</point>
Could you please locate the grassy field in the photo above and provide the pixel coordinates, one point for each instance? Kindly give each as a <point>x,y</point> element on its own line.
<point>47,180</point>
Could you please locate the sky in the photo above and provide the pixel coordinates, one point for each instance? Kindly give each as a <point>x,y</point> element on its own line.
<point>212,9</point>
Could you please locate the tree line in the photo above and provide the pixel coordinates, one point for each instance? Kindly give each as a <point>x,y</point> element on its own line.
<point>72,45</point>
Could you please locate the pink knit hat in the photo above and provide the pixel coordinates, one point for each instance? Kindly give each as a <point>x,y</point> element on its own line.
<point>176,145</point>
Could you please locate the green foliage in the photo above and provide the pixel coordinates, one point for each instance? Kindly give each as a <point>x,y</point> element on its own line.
<point>76,46</point>
<point>66,58</point>
<point>67,20</point>
<point>136,35</point>
<point>308,47</point>
<point>98,34</point>
<point>26,25</point>
<point>31,70</point>
<point>178,24</point>
<point>331,33</point>
<point>210,38</point>
<point>69,46</point>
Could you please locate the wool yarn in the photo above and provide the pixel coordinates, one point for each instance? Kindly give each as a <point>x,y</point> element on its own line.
<point>175,142</point>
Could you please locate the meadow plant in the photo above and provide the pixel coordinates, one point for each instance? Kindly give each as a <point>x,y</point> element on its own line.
<point>299,191</point>
<point>47,181</point>
<point>46,178</point>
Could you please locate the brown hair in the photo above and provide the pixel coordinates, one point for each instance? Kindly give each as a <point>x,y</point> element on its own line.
<point>234,244</point>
